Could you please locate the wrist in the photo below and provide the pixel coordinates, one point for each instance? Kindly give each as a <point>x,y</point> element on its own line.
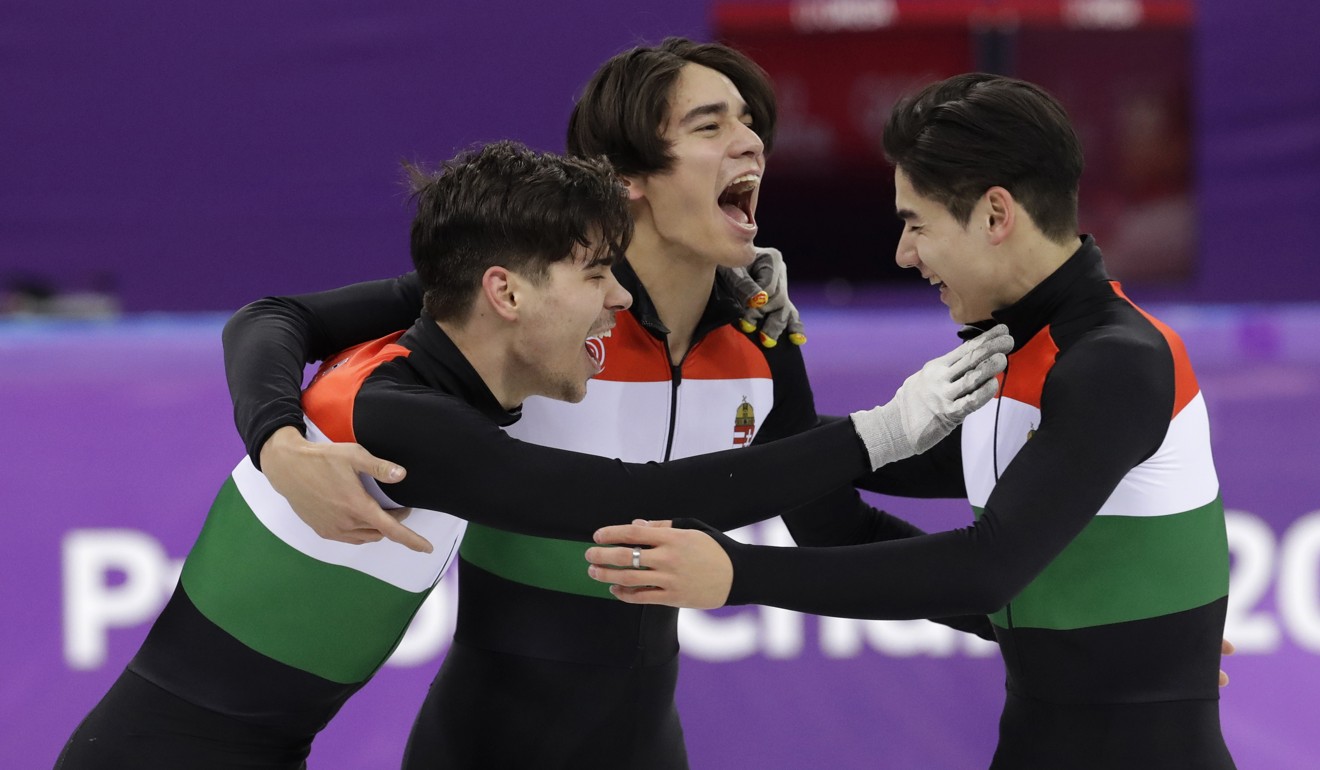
<point>283,440</point>
<point>881,432</point>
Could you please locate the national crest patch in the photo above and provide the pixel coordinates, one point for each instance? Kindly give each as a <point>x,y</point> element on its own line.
<point>744,424</point>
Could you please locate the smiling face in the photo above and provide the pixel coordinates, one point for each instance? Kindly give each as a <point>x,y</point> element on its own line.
<point>704,206</point>
<point>562,320</point>
<point>954,257</point>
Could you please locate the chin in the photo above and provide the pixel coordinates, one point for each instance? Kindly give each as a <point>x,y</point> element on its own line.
<point>563,388</point>
<point>573,393</point>
<point>740,257</point>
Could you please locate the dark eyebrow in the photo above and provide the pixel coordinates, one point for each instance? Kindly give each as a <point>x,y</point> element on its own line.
<point>905,214</point>
<point>704,110</point>
<point>602,258</point>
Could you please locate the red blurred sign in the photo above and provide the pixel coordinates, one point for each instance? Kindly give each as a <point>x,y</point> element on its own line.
<point>812,16</point>
<point>836,89</point>
<point>1121,67</point>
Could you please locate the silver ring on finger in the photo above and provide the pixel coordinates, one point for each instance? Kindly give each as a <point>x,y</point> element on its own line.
<point>637,557</point>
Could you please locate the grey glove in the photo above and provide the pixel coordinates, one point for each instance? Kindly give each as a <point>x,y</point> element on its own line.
<point>932,402</point>
<point>762,288</point>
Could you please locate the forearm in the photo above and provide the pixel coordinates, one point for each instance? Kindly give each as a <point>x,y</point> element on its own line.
<point>843,518</point>
<point>547,492</point>
<point>264,358</point>
<point>889,581</point>
<point>935,473</point>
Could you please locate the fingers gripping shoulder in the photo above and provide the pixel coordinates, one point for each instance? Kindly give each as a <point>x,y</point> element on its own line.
<point>972,376</point>
<point>934,400</point>
<point>762,288</point>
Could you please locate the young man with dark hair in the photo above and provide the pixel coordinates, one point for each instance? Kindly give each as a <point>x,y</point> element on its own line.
<point>1099,548</point>
<point>272,628</point>
<point>546,669</point>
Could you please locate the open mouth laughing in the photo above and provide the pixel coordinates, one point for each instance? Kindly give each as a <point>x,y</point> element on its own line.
<point>736,201</point>
<point>595,347</point>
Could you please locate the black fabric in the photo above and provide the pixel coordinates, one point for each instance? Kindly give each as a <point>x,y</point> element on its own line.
<point>1164,658</point>
<point>505,616</point>
<point>139,726</point>
<point>492,710</point>
<point>187,654</point>
<point>1176,735</point>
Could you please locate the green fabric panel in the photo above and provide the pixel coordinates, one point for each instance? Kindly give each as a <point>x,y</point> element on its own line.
<point>1123,568</point>
<point>555,565</point>
<point>327,620</point>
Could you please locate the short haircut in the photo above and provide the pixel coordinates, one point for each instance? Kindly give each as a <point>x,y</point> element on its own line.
<point>959,137</point>
<point>507,205</point>
<point>626,105</point>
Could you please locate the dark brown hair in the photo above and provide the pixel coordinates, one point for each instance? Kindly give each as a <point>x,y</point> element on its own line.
<point>504,204</point>
<point>626,104</point>
<point>959,137</point>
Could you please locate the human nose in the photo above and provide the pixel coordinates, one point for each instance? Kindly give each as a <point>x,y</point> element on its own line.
<point>616,297</point>
<point>906,253</point>
<point>748,142</point>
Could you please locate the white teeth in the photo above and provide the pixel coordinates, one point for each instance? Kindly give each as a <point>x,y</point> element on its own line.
<point>747,181</point>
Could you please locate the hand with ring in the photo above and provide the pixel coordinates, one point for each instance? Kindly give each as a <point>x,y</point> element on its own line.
<point>684,567</point>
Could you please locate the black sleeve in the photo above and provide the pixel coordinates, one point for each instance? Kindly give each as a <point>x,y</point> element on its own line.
<point>268,342</point>
<point>1105,407</point>
<point>523,487</point>
<point>937,472</point>
<point>841,516</point>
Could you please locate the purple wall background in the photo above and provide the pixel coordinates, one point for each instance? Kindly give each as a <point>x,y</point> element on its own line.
<point>126,426</point>
<point>196,157</point>
<point>199,156</point>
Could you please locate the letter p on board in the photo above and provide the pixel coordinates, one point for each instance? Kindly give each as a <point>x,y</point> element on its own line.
<point>92,605</point>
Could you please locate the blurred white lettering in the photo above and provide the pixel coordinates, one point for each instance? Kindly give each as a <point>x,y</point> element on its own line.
<point>117,579</point>
<point>94,604</point>
<point>1299,581</point>
<point>1251,544</point>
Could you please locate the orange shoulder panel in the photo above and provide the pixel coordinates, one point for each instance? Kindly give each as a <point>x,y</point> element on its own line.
<point>1185,386</point>
<point>1028,367</point>
<point>328,400</point>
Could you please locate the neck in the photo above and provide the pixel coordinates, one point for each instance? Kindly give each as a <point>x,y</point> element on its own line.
<point>678,287</point>
<point>1036,259</point>
<point>489,353</point>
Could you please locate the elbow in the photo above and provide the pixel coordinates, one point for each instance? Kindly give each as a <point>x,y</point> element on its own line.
<point>240,319</point>
<point>252,317</point>
<point>232,325</point>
